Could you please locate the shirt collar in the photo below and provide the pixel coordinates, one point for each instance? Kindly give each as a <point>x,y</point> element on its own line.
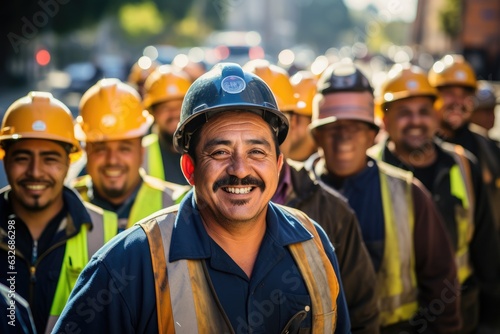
<point>191,241</point>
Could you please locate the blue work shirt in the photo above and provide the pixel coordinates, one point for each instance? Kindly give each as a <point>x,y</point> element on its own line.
<point>116,291</point>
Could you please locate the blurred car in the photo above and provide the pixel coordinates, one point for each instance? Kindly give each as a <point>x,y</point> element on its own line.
<point>236,46</point>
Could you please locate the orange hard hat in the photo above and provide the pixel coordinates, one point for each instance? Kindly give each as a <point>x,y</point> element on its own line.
<point>141,69</point>
<point>39,115</point>
<point>164,84</point>
<point>277,79</point>
<point>111,110</point>
<point>304,86</point>
<point>452,70</point>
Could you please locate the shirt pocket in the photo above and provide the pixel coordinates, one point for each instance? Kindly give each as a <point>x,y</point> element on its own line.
<point>291,310</point>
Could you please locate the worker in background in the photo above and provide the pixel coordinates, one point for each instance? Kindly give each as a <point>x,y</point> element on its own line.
<point>140,71</point>
<point>236,262</point>
<point>47,233</point>
<point>302,142</point>
<point>112,123</point>
<point>401,227</point>
<point>456,83</point>
<point>296,189</point>
<point>485,102</point>
<point>164,90</point>
<point>407,100</point>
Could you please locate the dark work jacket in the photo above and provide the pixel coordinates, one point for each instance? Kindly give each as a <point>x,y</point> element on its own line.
<point>330,209</point>
<point>39,287</point>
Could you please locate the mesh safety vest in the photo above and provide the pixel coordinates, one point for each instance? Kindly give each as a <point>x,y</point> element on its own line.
<point>79,250</point>
<point>153,164</point>
<point>154,194</point>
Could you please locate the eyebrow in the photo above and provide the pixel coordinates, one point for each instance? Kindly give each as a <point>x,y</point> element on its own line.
<point>216,142</point>
<point>43,153</point>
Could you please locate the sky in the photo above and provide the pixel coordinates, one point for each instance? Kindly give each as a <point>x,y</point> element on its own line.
<point>390,10</point>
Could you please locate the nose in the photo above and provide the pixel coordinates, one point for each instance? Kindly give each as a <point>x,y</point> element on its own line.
<point>239,166</point>
<point>112,156</point>
<point>35,168</point>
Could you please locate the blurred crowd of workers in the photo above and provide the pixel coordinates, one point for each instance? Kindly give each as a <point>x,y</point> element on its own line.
<point>404,183</point>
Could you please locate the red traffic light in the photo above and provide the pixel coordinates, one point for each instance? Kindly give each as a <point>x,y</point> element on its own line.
<point>42,57</point>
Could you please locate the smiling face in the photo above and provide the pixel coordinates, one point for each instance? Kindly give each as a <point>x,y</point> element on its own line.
<point>344,142</point>
<point>455,106</point>
<point>36,169</point>
<point>411,123</point>
<point>236,171</point>
<point>167,115</point>
<point>114,167</point>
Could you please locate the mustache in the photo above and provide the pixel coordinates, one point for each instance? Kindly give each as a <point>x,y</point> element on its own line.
<point>236,181</point>
<point>33,180</point>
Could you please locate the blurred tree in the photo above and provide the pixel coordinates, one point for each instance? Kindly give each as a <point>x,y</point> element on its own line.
<point>450,17</point>
<point>322,22</point>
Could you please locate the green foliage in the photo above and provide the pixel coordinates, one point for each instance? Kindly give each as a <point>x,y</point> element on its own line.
<point>449,18</point>
<point>322,23</point>
<point>141,19</point>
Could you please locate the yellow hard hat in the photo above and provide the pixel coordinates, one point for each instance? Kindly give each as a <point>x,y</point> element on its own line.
<point>304,86</point>
<point>277,79</point>
<point>39,115</point>
<point>164,84</point>
<point>403,82</point>
<point>111,110</point>
<point>452,70</point>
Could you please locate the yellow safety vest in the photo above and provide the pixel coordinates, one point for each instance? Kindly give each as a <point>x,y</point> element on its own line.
<point>79,249</point>
<point>396,279</point>
<point>154,194</point>
<point>462,188</point>
<point>185,298</point>
<point>153,163</point>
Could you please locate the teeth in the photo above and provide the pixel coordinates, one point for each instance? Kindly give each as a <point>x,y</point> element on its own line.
<point>36,187</point>
<point>112,173</point>
<point>239,190</point>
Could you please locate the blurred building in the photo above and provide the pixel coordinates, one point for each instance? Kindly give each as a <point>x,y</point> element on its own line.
<point>478,39</point>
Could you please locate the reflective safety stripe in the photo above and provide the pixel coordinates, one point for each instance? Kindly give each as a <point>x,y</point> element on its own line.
<point>319,276</point>
<point>396,281</point>
<point>153,163</point>
<point>462,188</point>
<point>186,284</point>
<point>79,249</point>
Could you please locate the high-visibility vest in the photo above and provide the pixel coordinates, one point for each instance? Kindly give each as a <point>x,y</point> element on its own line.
<point>396,278</point>
<point>79,249</point>
<point>153,163</point>
<point>462,188</point>
<point>154,194</point>
<point>185,298</point>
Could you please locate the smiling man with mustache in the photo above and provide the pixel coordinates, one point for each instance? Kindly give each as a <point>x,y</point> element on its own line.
<point>226,259</point>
